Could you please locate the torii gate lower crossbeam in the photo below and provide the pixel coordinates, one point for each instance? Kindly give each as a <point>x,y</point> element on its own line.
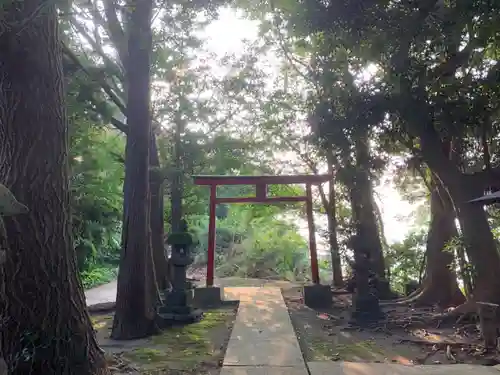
<point>261,183</point>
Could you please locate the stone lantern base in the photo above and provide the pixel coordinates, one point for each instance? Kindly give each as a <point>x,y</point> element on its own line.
<point>177,308</point>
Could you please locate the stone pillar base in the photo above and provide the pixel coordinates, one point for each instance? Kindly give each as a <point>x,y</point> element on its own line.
<point>176,308</point>
<point>205,297</point>
<point>179,315</point>
<point>317,296</point>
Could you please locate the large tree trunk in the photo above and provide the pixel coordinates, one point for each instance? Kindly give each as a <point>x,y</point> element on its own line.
<point>363,199</point>
<point>136,297</point>
<point>381,231</point>
<point>479,241</point>
<point>440,283</point>
<point>46,328</point>
<point>177,184</point>
<point>156,219</point>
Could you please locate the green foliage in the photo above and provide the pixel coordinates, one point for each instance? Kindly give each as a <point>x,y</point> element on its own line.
<point>405,259</point>
<point>96,181</point>
<point>96,184</point>
<point>255,244</point>
<point>98,276</point>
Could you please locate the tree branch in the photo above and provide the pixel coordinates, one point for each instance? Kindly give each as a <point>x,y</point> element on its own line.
<point>399,61</point>
<point>102,82</point>
<point>115,122</point>
<point>115,29</point>
<point>97,47</point>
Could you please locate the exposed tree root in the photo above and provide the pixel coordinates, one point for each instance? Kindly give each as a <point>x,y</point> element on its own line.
<point>101,307</point>
<point>430,295</point>
<point>442,344</point>
<point>435,294</point>
<point>468,307</point>
<point>403,301</point>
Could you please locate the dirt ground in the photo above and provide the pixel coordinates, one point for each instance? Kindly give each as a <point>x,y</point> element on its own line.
<point>325,335</point>
<point>197,348</point>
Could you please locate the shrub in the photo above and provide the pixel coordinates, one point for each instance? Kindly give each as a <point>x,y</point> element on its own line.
<point>98,276</point>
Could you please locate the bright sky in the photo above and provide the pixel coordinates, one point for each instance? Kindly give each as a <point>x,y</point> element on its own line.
<point>226,36</point>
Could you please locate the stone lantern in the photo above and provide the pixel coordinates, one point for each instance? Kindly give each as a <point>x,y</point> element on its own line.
<point>177,305</point>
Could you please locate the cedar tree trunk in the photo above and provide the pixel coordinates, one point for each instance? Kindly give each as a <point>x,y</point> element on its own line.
<point>47,329</point>
<point>156,218</point>
<point>136,297</point>
<point>365,212</point>
<point>176,187</point>
<point>330,207</point>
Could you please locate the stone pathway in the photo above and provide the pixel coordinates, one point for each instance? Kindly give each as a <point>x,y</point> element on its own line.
<point>101,294</point>
<point>263,341</point>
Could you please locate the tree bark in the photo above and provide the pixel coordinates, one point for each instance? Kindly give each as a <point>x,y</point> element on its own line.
<point>440,283</point>
<point>156,219</point>
<point>46,328</point>
<point>136,297</point>
<point>330,207</point>
<point>177,184</point>
<point>363,199</point>
<point>383,238</point>
<point>478,238</point>
<point>464,271</point>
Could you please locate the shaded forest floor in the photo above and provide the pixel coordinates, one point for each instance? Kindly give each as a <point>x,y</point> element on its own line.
<point>324,335</point>
<point>198,348</point>
<point>405,339</point>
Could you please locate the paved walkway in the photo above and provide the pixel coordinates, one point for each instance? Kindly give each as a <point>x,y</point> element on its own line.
<point>263,340</point>
<point>101,294</point>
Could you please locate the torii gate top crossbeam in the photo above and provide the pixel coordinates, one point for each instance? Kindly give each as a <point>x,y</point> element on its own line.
<point>263,179</point>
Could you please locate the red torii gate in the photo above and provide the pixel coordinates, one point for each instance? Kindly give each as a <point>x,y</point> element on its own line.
<point>260,183</point>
